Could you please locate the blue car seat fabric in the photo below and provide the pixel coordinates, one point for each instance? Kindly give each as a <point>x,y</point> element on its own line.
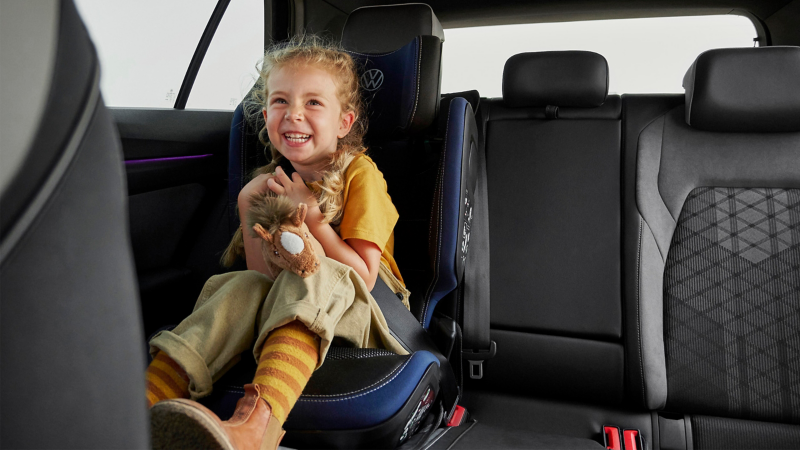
<point>391,84</point>
<point>359,388</point>
<point>357,406</point>
<point>451,217</point>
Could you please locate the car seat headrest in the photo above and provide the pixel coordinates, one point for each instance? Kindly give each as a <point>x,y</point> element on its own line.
<point>561,78</point>
<point>382,29</point>
<point>744,90</point>
<point>398,51</point>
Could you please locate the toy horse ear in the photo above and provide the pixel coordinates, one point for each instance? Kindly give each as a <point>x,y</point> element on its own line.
<point>262,232</point>
<point>300,215</point>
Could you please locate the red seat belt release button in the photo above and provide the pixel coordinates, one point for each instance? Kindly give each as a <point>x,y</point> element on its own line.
<point>611,435</point>
<point>458,416</point>
<point>632,440</point>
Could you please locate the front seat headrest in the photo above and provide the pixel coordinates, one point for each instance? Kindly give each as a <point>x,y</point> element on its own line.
<point>561,78</point>
<point>398,50</point>
<point>744,90</point>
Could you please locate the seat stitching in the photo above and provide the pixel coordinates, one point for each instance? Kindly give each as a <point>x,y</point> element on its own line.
<point>305,399</point>
<point>419,71</point>
<point>638,321</point>
<point>439,249</point>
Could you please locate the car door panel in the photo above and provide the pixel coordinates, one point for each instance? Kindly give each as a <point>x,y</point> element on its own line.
<point>176,166</point>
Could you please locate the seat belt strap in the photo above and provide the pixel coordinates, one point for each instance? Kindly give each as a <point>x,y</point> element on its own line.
<point>410,334</point>
<point>476,340</point>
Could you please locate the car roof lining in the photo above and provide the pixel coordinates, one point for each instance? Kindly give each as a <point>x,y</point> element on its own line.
<point>469,13</point>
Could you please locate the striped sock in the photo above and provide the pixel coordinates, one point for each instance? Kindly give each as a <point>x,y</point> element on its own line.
<point>165,380</point>
<point>288,358</point>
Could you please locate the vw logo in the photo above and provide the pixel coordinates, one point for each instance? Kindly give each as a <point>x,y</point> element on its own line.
<point>372,79</point>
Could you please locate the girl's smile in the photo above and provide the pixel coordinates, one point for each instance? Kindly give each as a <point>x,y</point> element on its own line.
<point>296,139</point>
<point>304,117</point>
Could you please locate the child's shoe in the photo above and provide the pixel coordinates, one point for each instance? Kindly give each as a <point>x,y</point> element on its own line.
<point>181,423</point>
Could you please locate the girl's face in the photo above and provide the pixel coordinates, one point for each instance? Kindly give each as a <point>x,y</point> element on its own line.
<point>304,117</point>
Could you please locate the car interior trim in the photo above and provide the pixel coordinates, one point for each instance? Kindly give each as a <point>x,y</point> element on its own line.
<point>173,158</point>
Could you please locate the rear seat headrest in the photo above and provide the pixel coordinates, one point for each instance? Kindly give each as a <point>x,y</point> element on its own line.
<point>382,29</point>
<point>398,51</point>
<point>744,90</point>
<point>563,78</point>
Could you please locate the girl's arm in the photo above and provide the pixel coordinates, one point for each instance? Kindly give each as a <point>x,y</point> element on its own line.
<point>363,256</point>
<point>252,245</point>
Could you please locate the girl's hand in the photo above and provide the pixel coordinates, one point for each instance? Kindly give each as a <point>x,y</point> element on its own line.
<point>294,188</point>
<point>256,185</point>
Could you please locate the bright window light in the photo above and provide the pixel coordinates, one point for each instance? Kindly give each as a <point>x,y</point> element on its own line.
<point>144,46</point>
<point>644,55</point>
<point>229,68</point>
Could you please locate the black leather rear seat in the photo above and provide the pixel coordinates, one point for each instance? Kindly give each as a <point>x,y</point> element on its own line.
<point>560,182</point>
<point>553,161</point>
<point>554,179</point>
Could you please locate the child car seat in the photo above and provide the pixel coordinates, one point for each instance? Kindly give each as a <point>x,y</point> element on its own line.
<point>370,397</point>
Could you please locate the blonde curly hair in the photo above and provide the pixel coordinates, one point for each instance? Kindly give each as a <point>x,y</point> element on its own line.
<point>309,50</point>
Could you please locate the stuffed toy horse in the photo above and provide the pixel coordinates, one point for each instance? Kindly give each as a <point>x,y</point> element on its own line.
<point>285,237</point>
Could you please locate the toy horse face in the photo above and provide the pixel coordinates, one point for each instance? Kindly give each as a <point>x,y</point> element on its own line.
<point>293,251</point>
<point>289,247</point>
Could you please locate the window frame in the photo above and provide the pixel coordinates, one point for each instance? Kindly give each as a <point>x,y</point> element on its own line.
<point>272,21</point>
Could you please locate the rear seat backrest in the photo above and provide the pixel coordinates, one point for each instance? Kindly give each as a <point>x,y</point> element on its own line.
<point>553,162</point>
<point>715,320</point>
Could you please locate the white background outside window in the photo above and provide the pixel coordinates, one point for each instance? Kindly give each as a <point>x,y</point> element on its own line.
<point>145,47</point>
<point>644,55</point>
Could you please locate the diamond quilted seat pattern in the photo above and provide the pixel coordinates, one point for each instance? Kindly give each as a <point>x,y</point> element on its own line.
<point>732,305</point>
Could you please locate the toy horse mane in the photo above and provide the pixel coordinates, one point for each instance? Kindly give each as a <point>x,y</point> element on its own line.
<point>285,237</point>
<point>270,211</point>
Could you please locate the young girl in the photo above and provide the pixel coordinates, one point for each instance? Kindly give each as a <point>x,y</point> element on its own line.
<point>313,116</point>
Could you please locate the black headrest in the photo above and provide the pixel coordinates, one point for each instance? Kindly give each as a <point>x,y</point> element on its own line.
<point>400,64</point>
<point>744,90</point>
<point>566,78</point>
<point>382,29</point>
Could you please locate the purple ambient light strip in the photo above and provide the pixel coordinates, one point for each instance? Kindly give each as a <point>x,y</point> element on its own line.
<point>174,158</point>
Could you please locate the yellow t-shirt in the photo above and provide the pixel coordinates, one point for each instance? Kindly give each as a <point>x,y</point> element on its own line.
<point>368,211</point>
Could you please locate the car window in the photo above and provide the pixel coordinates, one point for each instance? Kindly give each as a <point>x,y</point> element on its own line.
<point>228,70</point>
<point>144,46</point>
<point>648,55</point>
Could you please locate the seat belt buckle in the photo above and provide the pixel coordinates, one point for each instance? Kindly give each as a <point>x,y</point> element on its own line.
<point>476,359</point>
<point>632,439</point>
<point>458,417</point>
<point>612,437</point>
